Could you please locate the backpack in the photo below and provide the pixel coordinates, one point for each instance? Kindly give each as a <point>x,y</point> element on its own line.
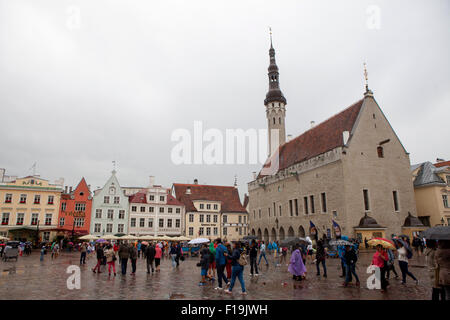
<point>409,254</point>
<point>242,259</point>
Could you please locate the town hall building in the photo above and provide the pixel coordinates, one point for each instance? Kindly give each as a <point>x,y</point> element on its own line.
<point>351,169</point>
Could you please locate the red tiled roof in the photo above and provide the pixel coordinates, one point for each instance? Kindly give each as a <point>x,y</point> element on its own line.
<point>322,138</point>
<point>228,196</point>
<point>442,164</point>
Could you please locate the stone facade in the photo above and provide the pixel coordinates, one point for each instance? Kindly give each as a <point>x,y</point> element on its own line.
<point>369,157</point>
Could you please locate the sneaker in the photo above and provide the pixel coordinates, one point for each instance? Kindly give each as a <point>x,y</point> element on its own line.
<point>227,291</point>
<point>417,282</point>
<point>251,274</point>
<point>228,285</point>
<point>218,288</point>
<point>324,275</point>
<point>201,284</point>
<point>257,274</point>
<point>244,293</point>
<point>357,284</point>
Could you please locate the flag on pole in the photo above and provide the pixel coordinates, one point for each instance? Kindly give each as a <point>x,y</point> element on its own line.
<point>312,230</point>
<point>337,229</point>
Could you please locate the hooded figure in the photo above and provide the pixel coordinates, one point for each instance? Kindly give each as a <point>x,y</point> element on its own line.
<point>296,266</point>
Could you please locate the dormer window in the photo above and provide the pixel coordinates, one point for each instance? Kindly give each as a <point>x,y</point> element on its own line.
<point>188,190</point>
<point>380,152</point>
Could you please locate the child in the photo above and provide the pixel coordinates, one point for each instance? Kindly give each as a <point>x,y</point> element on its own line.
<point>204,264</point>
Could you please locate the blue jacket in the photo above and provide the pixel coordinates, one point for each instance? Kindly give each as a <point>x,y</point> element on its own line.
<point>220,258</point>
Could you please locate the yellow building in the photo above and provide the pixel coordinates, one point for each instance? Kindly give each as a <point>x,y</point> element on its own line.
<point>212,211</point>
<point>29,206</point>
<point>432,192</point>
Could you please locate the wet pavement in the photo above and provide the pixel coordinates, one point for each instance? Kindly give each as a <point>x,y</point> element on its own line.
<point>29,278</point>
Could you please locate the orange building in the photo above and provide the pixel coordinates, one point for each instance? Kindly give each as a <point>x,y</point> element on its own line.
<point>75,211</point>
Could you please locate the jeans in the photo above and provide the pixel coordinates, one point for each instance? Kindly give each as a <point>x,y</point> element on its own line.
<point>237,272</point>
<point>253,265</point>
<point>343,268</point>
<point>384,282</point>
<point>220,274</point>
<point>389,268</point>
<point>83,258</point>
<point>97,266</point>
<point>149,265</point>
<point>113,264</point>
<point>404,269</point>
<point>350,269</point>
<point>123,264</point>
<point>318,262</point>
<point>262,254</point>
<point>133,265</point>
<point>174,262</point>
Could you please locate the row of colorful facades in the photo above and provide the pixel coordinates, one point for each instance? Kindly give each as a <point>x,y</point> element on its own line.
<point>34,209</point>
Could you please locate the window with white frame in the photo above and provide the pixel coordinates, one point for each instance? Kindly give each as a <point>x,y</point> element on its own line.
<point>23,198</point>
<point>20,217</point>
<point>151,197</point>
<point>202,206</point>
<point>224,231</point>
<point>208,218</point>
<point>161,209</point>
<point>37,199</point>
<point>225,218</point>
<point>202,218</point>
<point>62,221</point>
<point>98,213</point>
<point>215,218</point>
<point>63,206</point>
<point>178,210</point>
<point>169,223</point>
<point>97,227</point>
<point>133,222</point>
<point>191,231</point>
<point>201,231</point>
<point>8,198</point>
<point>169,210</point>
<point>142,209</point>
<point>50,199</point>
<point>215,231</point>
<point>80,207</point>
<point>79,222</point>
<point>121,214</point>
<point>161,198</point>
<point>34,219</point>
<point>120,228</point>
<point>106,199</point>
<point>208,206</point>
<point>445,200</point>
<point>216,207</point>
<point>110,214</point>
<point>142,222</point>
<point>151,209</point>
<point>208,231</point>
<point>133,208</point>
<point>116,200</point>
<point>191,217</point>
<point>177,223</point>
<point>161,223</point>
<point>109,227</point>
<point>150,223</point>
<point>48,219</point>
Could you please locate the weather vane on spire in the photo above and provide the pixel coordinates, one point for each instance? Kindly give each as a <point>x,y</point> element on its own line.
<point>270,32</point>
<point>366,77</point>
<point>114,165</point>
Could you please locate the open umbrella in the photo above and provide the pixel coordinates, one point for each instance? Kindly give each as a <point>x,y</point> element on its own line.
<point>250,238</point>
<point>340,242</point>
<point>290,241</point>
<point>183,238</point>
<point>110,237</point>
<point>3,238</point>
<point>88,237</point>
<point>198,241</point>
<point>145,243</point>
<point>387,244</point>
<point>100,241</point>
<point>437,233</point>
<point>128,237</point>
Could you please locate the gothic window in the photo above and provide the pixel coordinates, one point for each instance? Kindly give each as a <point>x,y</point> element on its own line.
<point>380,152</point>
<point>279,120</point>
<point>273,118</point>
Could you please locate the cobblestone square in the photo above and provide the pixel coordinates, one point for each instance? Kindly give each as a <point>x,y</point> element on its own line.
<point>29,278</point>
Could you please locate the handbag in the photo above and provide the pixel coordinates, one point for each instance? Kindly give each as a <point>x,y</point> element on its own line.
<point>114,258</point>
<point>242,259</point>
<point>182,258</point>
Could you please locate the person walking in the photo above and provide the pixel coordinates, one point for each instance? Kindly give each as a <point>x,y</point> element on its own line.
<point>341,252</point>
<point>212,262</point>
<point>237,270</point>
<point>262,253</point>
<point>437,292</point>
<point>133,259</point>
<point>204,264</point>
<point>228,266</point>
<point>403,263</point>
<point>150,253</point>
<point>309,250</point>
<point>158,255</point>
<point>416,243</point>
<point>443,264</point>
<point>111,259</point>
<point>42,253</point>
<point>179,253</point>
<point>124,254</point>
<point>253,255</point>
<point>100,255</point>
<point>83,250</point>
<point>275,253</point>
<point>269,248</point>
<point>390,266</point>
<point>321,255</point>
<point>350,264</point>
<point>379,259</point>
<point>139,246</point>
<point>221,261</point>
<point>283,256</point>
<point>296,266</point>
<point>173,254</point>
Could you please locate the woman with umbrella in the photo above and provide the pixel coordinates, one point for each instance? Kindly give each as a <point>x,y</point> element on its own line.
<point>296,266</point>
<point>379,259</point>
<point>403,262</point>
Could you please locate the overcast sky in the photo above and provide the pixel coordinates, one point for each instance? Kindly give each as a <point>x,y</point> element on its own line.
<point>83,83</point>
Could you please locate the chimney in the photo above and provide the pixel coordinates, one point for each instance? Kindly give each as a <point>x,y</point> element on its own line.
<point>439,160</point>
<point>289,137</point>
<point>89,187</point>
<point>313,123</point>
<point>195,181</point>
<point>70,190</point>
<point>254,175</point>
<point>65,189</point>
<point>152,181</point>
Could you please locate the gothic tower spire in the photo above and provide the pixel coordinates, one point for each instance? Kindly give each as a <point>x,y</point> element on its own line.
<point>275,103</point>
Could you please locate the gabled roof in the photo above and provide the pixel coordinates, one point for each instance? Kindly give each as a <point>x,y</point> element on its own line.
<point>228,196</point>
<point>427,175</point>
<point>323,137</point>
<point>141,197</point>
